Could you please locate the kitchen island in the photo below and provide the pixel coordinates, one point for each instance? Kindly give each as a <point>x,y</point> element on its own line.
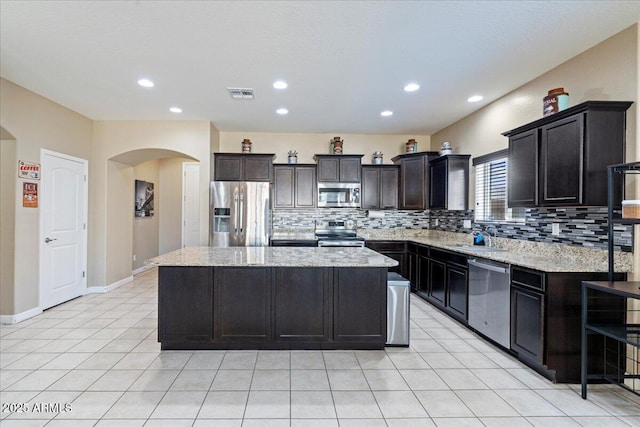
<point>272,298</point>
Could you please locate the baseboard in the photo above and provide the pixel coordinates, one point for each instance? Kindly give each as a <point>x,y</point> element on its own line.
<point>12,319</point>
<point>108,288</point>
<point>142,269</point>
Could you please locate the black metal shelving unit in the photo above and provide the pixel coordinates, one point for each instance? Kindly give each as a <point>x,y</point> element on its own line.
<point>608,317</point>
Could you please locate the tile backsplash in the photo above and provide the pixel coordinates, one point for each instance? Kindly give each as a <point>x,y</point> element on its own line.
<point>578,226</point>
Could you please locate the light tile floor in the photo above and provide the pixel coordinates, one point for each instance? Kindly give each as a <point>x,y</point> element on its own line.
<point>95,361</point>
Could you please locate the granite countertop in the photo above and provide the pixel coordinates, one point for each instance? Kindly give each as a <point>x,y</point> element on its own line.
<point>273,257</point>
<point>294,235</point>
<point>550,258</point>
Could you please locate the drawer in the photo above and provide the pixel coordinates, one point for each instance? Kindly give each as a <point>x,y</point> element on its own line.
<point>412,247</point>
<point>385,245</point>
<point>528,278</point>
<point>449,257</point>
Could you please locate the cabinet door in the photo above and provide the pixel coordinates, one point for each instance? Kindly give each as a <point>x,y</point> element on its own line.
<point>370,187</point>
<point>356,291</point>
<point>258,168</point>
<point>412,269</point>
<point>302,304</point>
<point>561,148</point>
<point>328,169</point>
<point>437,281</point>
<point>527,323</point>
<point>412,181</point>
<point>423,275</point>
<point>388,187</point>
<point>185,304</point>
<point>305,187</point>
<point>457,292</point>
<point>242,304</point>
<point>283,187</point>
<point>438,180</point>
<point>228,168</point>
<point>523,169</point>
<point>350,169</point>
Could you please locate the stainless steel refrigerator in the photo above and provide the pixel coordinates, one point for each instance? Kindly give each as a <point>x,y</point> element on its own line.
<point>240,214</point>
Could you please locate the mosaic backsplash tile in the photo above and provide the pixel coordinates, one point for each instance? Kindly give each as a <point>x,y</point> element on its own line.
<point>578,226</point>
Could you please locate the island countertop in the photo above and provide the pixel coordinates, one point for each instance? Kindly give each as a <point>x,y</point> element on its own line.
<point>273,257</point>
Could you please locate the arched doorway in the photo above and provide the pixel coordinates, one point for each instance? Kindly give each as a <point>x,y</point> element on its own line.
<point>149,235</point>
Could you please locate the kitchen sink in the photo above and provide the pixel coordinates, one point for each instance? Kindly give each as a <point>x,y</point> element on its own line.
<point>475,248</point>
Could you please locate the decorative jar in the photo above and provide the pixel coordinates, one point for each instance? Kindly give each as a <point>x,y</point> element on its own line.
<point>246,145</point>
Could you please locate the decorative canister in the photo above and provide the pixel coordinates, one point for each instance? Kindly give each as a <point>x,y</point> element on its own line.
<point>377,158</point>
<point>337,145</point>
<point>411,146</point>
<point>446,148</point>
<point>556,100</point>
<point>292,156</point>
<point>246,145</point>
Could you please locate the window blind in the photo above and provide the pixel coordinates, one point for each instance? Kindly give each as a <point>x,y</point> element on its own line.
<point>491,192</point>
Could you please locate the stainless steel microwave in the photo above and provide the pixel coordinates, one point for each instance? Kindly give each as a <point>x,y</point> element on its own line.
<point>338,195</point>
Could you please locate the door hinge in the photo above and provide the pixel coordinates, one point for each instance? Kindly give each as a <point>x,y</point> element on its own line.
<point>83,274</point>
<point>85,178</point>
<point>84,226</point>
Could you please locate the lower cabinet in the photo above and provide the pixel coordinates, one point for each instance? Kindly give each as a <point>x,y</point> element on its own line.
<point>272,307</point>
<point>393,249</point>
<point>527,323</point>
<point>436,282</point>
<point>412,265</point>
<point>457,291</point>
<point>448,282</point>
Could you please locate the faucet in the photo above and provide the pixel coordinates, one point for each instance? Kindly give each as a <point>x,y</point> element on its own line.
<point>490,231</point>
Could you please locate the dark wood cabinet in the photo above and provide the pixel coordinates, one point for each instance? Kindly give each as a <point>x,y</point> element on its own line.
<point>379,187</point>
<point>294,186</point>
<point>412,265</point>
<point>437,282</point>
<point>523,169</point>
<point>243,308</point>
<point>298,316</point>
<point>242,167</point>
<point>339,167</point>
<point>185,304</point>
<point>449,182</point>
<point>527,323</point>
<point>393,249</point>
<point>569,151</point>
<point>414,179</point>
<point>353,297</point>
<point>457,291</point>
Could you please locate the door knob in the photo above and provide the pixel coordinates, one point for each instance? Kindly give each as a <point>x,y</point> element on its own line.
<point>47,240</point>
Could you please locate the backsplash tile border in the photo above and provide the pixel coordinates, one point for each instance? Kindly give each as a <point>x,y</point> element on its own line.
<point>581,226</point>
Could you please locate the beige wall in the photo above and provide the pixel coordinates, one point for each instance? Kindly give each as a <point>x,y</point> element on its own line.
<point>608,71</point>
<point>36,123</point>
<point>110,262</point>
<point>308,144</point>
<point>8,172</point>
<point>170,206</point>
<point>146,231</point>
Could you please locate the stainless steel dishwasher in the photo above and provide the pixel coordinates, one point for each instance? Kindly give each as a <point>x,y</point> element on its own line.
<point>490,300</point>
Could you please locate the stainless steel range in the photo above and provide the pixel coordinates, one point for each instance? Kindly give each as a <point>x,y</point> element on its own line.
<point>338,234</point>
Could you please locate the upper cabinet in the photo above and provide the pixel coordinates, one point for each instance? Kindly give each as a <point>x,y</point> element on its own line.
<point>449,182</point>
<point>561,160</point>
<point>242,167</point>
<point>379,187</point>
<point>414,179</point>
<point>294,186</point>
<point>338,167</point>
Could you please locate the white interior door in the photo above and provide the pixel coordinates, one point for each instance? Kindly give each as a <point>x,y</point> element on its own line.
<point>190,204</point>
<point>63,228</point>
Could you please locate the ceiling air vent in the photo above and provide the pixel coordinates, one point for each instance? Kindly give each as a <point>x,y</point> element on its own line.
<point>241,93</point>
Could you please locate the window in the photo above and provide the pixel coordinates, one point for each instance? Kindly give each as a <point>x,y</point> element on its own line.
<point>491,189</point>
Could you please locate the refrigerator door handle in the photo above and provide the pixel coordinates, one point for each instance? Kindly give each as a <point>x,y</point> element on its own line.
<point>235,225</point>
<point>241,222</point>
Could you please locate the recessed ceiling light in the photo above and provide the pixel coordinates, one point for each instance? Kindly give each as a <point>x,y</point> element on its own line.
<point>145,83</point>
<point>175,109</point>
<point>280,84</point>
<point>282,111</point>
<point>411,87</point>
<point>474,98</point>
<point>386,113</point>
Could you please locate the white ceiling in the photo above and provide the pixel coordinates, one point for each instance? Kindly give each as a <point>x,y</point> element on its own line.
<point>344,61</point>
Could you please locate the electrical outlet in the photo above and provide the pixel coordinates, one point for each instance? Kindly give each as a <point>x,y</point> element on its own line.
<point>134,257</point>
<point>466,223</point>
<point>436,222</point>
<point>555,229</point>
